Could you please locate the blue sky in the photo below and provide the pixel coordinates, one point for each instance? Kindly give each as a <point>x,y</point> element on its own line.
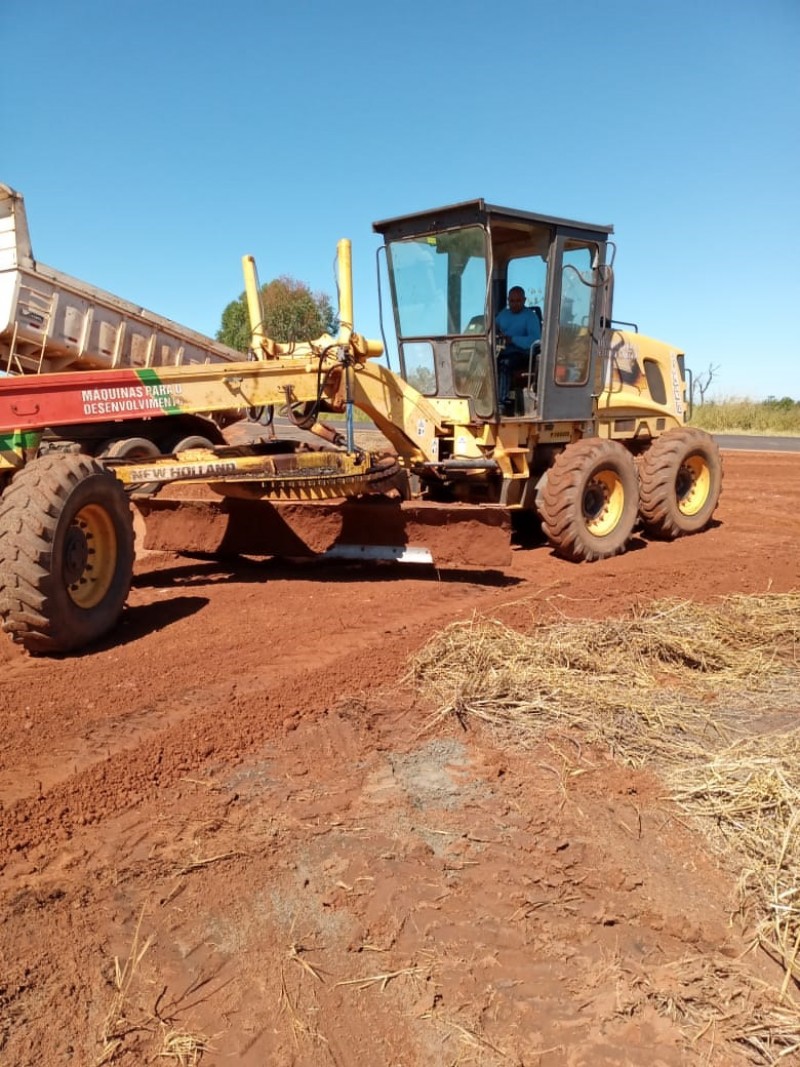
<point>157,141</point>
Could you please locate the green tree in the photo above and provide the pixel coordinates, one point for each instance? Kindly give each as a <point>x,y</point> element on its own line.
<point>234,330</point>
<point>291,313</point>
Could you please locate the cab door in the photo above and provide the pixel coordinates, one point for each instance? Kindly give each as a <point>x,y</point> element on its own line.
<point>569,369</point>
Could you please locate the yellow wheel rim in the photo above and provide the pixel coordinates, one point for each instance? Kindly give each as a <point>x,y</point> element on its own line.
<point>603,503</point>
<point>692,485</point>
<point>90,556</point>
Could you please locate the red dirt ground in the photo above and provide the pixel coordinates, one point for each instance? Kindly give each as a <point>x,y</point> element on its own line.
<point>238,796</point>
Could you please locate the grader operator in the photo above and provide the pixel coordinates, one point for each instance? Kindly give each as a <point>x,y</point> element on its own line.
<point>593,441</point>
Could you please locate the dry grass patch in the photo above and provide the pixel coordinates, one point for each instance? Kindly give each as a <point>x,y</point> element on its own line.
<point>749,797</point>
<point>648,686</point>
<point>694,691</point>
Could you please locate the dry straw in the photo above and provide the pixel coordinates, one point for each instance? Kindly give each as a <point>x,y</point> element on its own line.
<point>705,694</point>
<point>126,1018</point>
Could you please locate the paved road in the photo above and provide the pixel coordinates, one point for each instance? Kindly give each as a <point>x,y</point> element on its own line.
<point>747,443</point>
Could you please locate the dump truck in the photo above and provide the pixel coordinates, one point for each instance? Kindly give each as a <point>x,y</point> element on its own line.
<point>51,322</point>
<point>594,443</point>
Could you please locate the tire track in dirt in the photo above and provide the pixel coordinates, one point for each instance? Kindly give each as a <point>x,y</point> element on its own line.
<point>183,729</point>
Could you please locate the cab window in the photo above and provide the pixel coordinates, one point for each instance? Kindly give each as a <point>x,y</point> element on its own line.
<point>530,274</point>
<point>574,347</point>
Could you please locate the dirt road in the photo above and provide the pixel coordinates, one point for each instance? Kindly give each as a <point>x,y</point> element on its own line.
<point>229,828</point>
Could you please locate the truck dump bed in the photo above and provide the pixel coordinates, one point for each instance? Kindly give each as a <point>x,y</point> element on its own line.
<point>51,322</point>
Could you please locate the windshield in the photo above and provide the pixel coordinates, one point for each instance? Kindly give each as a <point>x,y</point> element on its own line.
<point>439,283</point>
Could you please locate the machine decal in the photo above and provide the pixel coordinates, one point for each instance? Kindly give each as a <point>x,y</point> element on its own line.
<point>140,399</point>
<point>627,366</point>
<point>173,472</point>
<point>677,386</point>
<point>31,401</point>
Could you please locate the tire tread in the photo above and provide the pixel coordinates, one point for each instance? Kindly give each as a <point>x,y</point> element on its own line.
<point>560,505</point>
<point>30,509</point>
<point>658,505</point>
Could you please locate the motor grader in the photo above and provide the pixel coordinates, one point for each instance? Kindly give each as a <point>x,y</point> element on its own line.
<point>596,443</point>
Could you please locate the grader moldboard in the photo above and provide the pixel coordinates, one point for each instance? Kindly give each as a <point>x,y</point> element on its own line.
<point>596,442</point>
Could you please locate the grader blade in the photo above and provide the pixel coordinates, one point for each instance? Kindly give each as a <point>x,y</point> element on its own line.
<point>191,519</point>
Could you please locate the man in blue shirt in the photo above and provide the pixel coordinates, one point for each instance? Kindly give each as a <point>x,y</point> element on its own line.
<point>517,329</point>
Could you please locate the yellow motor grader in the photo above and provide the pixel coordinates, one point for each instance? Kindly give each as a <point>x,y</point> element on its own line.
<point>592,400</point>
<point>593,443</point>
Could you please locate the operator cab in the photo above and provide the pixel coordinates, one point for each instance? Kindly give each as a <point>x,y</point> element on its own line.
<point>449,272</point>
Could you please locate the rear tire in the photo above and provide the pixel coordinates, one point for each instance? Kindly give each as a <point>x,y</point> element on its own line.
<point>590,500</point>
<point>681,480</point>
<point>66,553</point>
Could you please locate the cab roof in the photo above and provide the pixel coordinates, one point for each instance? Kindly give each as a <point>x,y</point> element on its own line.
<point>478,212</point>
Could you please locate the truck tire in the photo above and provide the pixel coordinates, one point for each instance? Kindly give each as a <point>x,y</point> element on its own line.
<point>590,500</point>
<point>184,442</point>
<point>680,482</point>
<point>66,553</point>
<point>135,450</point>
<point>132,448</point>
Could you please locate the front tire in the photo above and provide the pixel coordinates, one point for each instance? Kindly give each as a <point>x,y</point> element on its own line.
<point>590,500</point>
<point>66,553</point>
<point>681,480</point>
